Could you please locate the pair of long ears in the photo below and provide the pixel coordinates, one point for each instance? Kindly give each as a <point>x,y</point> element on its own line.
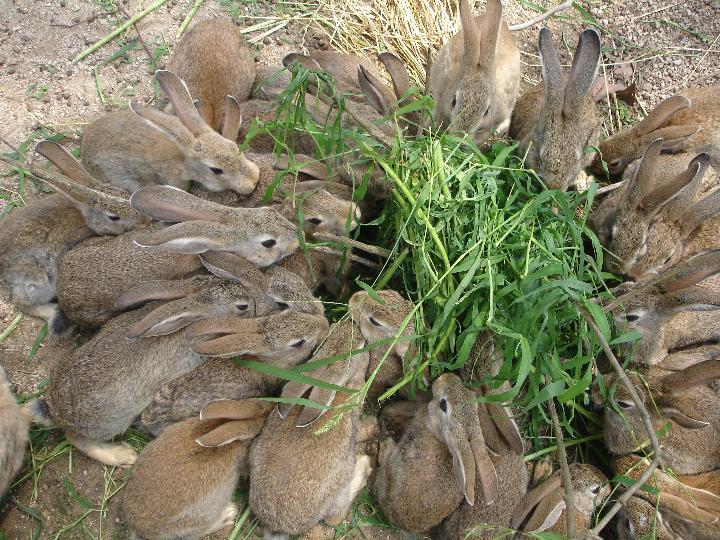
<point>569,97</point>
<point>243,421</point>
<point>654,125</point>
<point>499,428</point>
<point>480,43</point>
<point>545,502</point>
<point>80,186</point>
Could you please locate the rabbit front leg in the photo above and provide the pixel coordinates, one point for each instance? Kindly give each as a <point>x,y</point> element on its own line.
<point>361,472</point>
<point>111,454</point>
<point>225,519</point>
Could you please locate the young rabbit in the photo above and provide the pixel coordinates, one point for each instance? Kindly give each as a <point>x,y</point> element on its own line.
<point>555,121</point>
<point>692,445</point>
<point>302,474</point>
<point>36,237</point>
<point>183,481</point>
<point>688,122</point>
<point>143,146</point>
<point>685,511</point>
<point>97,390</point>
<point>640,519</point>
<point>590,489</point>
<point>94,274</point>
<point>424,478</point>
<point>475,79</point>
<point>215,61</point>
<point>14,425</point>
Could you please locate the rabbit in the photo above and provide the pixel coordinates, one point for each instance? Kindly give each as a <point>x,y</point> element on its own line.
<point>300,475</point>
<point>640,519</point>
<point>685,511</point>
<point>14,426</point>
<point>97,390</point>
<point>214,60</point>
<point>182,483</point>
<point>423,479</point>
<point>96,272</point>
<point>511,487</point>
<point>283,339</point>
<point>590,489</point>
<point>692,445</point>
<point>656,226</point>
<point>36,237</point>
<point>555,121</point>
<point>141,146</point>
<point>688,122</point>
<point>322,211</point>
<point>378,321</point>
<point>475,78</point>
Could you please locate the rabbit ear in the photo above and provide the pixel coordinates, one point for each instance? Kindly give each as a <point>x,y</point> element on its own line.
<point>463,462</point>
<point>322,396</point>
<point>398,74</point>
<point>471,36</point>
<point>235,409</point>
<point>190,237</point>
<point>166,124</point>
<point>661,114</point>
<point>547,513</point>
<point>681,191</point>
<point>700,212</point>
<point>64,161</point>
<point>484,466</point>
<point>232,120</point>
<point>234,430</point>
<point>168,318</point>
<point>696,270</point>
<point>533,497</point>
<point>686,509</point>
<point>223,325</point>
<point>292,390</point>
<point>371,90</point>
<point>228,265</point>
<point>204,110</point>
<point>146,291</point>
<point>681,381</point>
<point>489,34</point>
<point>235,344</point>
<point>642,182</point>
<point>672,135</point>
<point>168,203</point>
<point>506,426</point>
<point>310,167</point>
<point>176,89</point>
<point>583,71</point>
<point>551,69</point>
<point>491,434</point>
<point>680,418</point>
<point>301,59</point>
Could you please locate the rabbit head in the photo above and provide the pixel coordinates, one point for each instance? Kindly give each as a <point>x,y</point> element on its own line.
<point>378,321</point>
<point>321,210</point>
<point>621,149</point>
<point>261,235</point>
<point>105,208</point>
<point>652,221</point>
<point>568,121</point>
<point>219,299</point>
<point>267,337</point>
<point>464,89</point>
<point>641,519</point>
<point>214,159</point>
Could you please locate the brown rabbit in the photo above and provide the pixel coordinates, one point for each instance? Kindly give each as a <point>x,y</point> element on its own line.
<point>14,426</point>
<point>301,474</point>
<point>36,237</point>
<point>182,483</point>
<point>475,79</point>
<point>688,122</point>
<point>640,519</point>
<point>692,444</point>
<point>143,146</point>
<point>215,61</point>
<point>96,391</point>
<point>555,121</point>
<point>424,478</point>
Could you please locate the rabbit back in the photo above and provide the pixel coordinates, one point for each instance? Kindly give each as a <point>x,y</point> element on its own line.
<point>214,60</point>
<point>97,390</point>
<point>177,488</point>
<point>124,150</point>
<point>96,272</point>
<point>14,425</point>
<point>513,480</point>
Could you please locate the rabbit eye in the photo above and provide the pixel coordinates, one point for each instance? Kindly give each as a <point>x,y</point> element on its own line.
<point>595,490</point>
<point>374,321</point>
<point>299,344</point>
<point>487,110</point>
<point>632,317</point>
<point>443,405</point>
<point>282,305</point>
<point>624,404</point>
<point>454,101</point>
<point>113,217</point>
<point>215,170</point>
<point>241,307</point>
<point>315,220</point>
<point>268,243</point>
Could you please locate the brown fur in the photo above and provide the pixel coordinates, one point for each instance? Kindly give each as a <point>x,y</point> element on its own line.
<point>14,425</point>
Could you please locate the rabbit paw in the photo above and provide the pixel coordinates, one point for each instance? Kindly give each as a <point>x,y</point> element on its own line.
<point>225,519</point>
<point>368,428</point>
<point>111,454</point>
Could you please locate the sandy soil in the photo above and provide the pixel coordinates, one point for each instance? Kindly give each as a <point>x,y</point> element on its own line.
<point>669,44</point>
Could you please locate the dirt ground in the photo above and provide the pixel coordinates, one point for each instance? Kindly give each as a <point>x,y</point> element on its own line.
<point>670,44</point>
